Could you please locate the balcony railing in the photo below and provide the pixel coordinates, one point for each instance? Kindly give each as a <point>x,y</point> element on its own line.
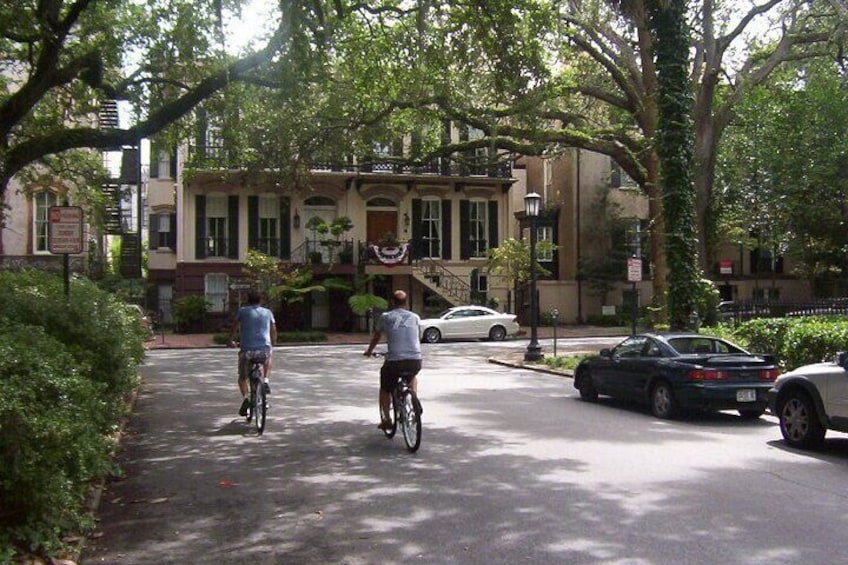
<point>218,158</point>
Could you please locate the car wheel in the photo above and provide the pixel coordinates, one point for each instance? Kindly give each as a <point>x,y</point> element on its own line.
<point>585,387</point>
<point>663,404</point>
<point>498,333</point>
<point>799,422</point>
<point>751,413</point>
<point>432,335</point>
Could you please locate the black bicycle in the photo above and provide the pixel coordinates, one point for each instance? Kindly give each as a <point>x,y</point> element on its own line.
<point>404,408</point>
<point>258,408</point>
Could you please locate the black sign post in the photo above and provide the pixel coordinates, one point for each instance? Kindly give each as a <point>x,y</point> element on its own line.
<point>64,236</point>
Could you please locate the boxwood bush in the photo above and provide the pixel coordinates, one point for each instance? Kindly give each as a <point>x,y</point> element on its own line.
<point>793,341</point>
<point>66,367</point>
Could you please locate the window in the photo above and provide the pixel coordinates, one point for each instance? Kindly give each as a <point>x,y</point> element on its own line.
<point>216,226</point>
<point>548,180</point>
<point>164,236</point>
<point>268,225</point>
<point>618,178</point>
<point>42,201</point>
<point>431,222</point>
<point>545,233</point>
<point>216,292</point>
<point>478,227</point>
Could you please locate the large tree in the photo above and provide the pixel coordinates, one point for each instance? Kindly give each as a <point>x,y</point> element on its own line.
<point>62,59</point>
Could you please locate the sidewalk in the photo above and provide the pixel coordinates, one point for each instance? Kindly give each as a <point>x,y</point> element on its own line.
<point>169,340</point>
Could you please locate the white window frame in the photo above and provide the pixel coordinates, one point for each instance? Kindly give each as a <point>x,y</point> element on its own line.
<point>269,222</point>
<point>216,291</point>
<point>217,207</point>
<point>544,233</point>
<point>164,223</point>
<point>478,227</point>
<point>42,201</point>
<point>431,223</point>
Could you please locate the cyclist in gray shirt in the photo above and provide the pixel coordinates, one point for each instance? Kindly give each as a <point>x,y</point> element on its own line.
<point>404,350</point>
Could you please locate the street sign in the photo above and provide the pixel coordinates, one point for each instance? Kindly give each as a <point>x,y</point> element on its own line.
<point>64,233</point>
<point>725,267</point>
<point>634,269</point>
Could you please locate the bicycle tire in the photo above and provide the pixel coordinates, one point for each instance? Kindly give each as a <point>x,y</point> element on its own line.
<point>410,412</point>
<point>260,400</point>
<point>390,431</point>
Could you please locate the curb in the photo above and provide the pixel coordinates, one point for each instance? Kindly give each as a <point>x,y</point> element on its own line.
<point>567,373</point>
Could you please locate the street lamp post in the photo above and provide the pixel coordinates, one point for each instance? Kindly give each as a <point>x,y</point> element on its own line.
<point>532,203</point>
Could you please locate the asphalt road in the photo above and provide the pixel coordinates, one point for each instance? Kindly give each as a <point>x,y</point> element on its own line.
<point>513,468</point>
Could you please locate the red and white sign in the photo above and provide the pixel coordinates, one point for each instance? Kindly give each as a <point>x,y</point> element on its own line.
<point>634,270</point>
<point>725,267</point>
<point>64,234</point>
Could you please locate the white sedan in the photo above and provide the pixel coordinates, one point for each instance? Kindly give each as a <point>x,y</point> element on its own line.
<point>469,322</point>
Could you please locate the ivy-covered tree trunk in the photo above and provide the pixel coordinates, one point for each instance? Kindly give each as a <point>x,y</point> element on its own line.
<point>675,141</point>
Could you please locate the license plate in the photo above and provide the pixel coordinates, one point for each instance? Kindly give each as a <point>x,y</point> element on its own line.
<point>746,395</point>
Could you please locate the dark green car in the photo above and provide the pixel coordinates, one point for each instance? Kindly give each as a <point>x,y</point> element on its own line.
<point>672,372</point>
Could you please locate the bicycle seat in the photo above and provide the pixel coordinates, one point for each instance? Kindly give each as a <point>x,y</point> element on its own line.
<point>256,356</point>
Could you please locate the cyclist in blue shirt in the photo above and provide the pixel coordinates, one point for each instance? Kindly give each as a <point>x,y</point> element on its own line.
<point>257,332</point>
<point>403,353</point>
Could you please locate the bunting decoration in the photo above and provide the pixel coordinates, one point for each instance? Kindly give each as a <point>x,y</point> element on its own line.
<point>390,256</point>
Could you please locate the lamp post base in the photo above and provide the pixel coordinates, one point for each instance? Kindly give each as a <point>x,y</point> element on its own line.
<point>533,353</point>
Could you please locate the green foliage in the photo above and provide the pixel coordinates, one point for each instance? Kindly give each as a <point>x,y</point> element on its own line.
<point>793,341</point>
<point>360,304</point>
<point>564,362</point>
<point>511,260</point>
<point>67,367</point>
<point>189,312</point>
<point>262,270</point>
<point>294,285</point>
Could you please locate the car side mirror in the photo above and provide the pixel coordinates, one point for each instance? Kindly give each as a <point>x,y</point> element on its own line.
<point>606,352</point>
<point>842,359</point>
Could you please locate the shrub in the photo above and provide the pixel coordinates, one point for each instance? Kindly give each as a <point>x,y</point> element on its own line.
<point>564,362</point>
<point>190,312</point>
<point>66,367</point>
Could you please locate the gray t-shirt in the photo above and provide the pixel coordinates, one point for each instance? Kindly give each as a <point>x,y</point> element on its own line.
<point>401,330</point>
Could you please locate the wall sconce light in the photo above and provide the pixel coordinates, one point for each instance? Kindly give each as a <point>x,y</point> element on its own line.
<point>405,221</point>
<point>296,219</point>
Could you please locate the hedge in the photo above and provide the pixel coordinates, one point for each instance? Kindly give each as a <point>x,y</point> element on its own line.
<point>66,368</point>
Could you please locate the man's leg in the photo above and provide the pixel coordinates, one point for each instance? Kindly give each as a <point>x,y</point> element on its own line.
<point>384,406</point>
<point>243,386</point>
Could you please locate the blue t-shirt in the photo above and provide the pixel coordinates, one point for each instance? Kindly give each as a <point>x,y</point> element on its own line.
<point>255,328</point>
<point>401,330</point>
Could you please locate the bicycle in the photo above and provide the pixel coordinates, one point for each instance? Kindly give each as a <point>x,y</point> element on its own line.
<point>258,408</point>
<point>404,407</point>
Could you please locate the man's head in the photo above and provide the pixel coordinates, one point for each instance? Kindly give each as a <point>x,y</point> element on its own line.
<point>398,298</point>
<point>253,297</point>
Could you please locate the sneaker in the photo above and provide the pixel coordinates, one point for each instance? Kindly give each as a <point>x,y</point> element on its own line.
<point>267,387</point>
<point>245,404</point>
<point>385,425</point>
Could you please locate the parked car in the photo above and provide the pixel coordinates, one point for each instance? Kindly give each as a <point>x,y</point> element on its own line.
<point>676,371</point>
<point>469,322</point>
<point>728,310</point>
<point>810,400</point>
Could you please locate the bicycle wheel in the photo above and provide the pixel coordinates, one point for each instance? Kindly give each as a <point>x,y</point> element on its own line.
<point>260,402</point>
<point>411,413</point>
<point>390,431</point>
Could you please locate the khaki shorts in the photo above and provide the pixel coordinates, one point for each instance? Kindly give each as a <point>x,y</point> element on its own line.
<point>245,358</point>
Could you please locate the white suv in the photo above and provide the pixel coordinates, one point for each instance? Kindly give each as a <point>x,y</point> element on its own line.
<point>811,400</point>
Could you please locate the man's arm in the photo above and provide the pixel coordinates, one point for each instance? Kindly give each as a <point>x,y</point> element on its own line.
<point>375,339</point>
<point>273,332</point>
<point>233,330</point>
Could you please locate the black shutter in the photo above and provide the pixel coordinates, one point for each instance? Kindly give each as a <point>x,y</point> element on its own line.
<point>493,225</point>
<point>232,227</point>
<point>200,134</point>
<point>415,252</point>
<point>154,163</point>
<point>285,228</point>
<point>446,230</point>
<point>200,226</point>
<point>252,222</point>
<point>173,163</point>
<point>464,230</point>
<point>172,235</point>
<point>153,231</point>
